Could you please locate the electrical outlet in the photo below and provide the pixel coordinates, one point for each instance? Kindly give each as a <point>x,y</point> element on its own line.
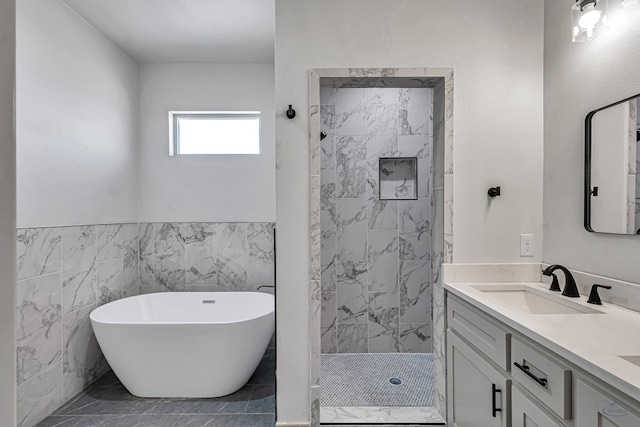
<point>527,244</point>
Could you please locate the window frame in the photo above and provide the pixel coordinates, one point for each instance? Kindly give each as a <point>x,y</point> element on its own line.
<point>175,116</point>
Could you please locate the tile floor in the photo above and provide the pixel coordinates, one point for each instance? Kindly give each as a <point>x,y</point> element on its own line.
<point>107,403</point>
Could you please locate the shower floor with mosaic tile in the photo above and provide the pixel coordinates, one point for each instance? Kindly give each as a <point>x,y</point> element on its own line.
<point>374,388</point>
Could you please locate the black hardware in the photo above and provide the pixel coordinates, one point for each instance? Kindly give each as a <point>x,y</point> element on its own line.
<point>494,191</point>
<point>587,164</point>
<point>594,298</point>
<point>524,368</point>
<point>494,390</point>
<point>265,286</point>
<point>291,113</point>
<point>570,287</point>
<point>594,192</point>
<point>323,135</point>
<point>555,286</point>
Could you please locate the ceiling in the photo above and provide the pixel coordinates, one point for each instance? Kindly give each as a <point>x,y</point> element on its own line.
<point>185,30</point>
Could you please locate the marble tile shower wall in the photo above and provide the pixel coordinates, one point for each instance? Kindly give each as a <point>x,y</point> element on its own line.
<point>63,273</point>
<point>206,256</point>
<point>375,254</point>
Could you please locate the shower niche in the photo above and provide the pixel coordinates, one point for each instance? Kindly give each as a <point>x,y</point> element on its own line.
<point>398,178</point>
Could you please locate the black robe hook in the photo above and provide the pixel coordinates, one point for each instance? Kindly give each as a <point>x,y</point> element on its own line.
<point>291,113</point>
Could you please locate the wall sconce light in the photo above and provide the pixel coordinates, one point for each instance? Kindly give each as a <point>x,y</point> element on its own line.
<point>589,19</point>
<point>631,4</point>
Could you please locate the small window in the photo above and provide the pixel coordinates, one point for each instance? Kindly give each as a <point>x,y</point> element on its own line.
<point>219,132</point>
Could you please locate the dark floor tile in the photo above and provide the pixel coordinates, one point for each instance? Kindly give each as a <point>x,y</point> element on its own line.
<point>269,355</point>
<point>265,374</point>
<point>232,404</point>
<point>263,400</point>
<point>253,420</point>
<point>107,380</point>
<point>60,421</point>
<point>113,421</point>
<point>109,400</point>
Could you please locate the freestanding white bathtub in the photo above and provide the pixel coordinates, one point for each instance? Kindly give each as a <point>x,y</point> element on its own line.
<point>185,344</point>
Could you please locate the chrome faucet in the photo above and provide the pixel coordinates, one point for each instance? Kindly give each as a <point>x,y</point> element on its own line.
<point>570,287</point>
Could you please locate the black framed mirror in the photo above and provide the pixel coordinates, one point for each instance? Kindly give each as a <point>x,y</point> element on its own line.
<point>612,168</point>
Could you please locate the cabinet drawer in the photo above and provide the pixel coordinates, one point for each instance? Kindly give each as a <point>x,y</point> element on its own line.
<point>483,333</point>
<point>525,413</point>
<point>596,409</point>
<point>543,376</point>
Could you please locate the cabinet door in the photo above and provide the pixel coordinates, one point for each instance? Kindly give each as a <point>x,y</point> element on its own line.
<point>478,393</point>
<point>525,413</point>
<point>595,409</point>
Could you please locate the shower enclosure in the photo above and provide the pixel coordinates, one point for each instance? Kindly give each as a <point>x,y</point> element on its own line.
<point>381,244</point>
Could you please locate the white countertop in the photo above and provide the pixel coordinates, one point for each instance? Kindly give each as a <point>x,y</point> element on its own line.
<point>590,341</point>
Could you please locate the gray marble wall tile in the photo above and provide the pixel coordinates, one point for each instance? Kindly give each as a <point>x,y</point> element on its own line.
<point>383,322</point>
<point>328,160</point>
<point>329,277</point>
<point>169,271</point>
<point>200,257</point>
<point>415,291</point>
<point>260,240</point>
<point>169,256</point>
<point>415,231</point>
<point>314,139</point>
<point>39,324</point>
<point>352,338</point>
<point>328,119</point>
<point>328,95</point>
<point>351,297</point>
<point>351,166</point>
<point>314,228</point>
<point>421,147</point>
<point>79,254</point>
<point>350,112</point>
<point>81,352</point>
<point>415,338</point>
<point>314,325</point>
<point>232,256</point>
<point>110,281</point>
<point>329,339</point>
<point>146,238</point>
<point>448,218</point>
<point>382,257</point>
<point>38,252</point>
<point>130,255</point>
<point>328,220</point>
<point>329,309</point>
<point>39,396</point>
<point>382,214</point>
<point>110,239</point>
<point>352,229</point>
<point>415,111</point>
<point>328,247</point>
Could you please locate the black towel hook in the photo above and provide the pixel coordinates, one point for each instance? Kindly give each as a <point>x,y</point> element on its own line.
<point>291,113</point>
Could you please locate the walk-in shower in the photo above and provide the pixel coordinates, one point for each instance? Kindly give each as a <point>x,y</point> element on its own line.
<point>380,231</point>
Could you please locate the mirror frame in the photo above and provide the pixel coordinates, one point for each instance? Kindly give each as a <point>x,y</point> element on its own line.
<point>587,167</point>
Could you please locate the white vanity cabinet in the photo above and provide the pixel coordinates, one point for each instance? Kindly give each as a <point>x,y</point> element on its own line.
<point>480,391</point>
<point>491,366</point>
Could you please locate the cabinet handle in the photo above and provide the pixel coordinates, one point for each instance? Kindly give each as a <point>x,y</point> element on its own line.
<point>494,390</point>
<point>524,368</point>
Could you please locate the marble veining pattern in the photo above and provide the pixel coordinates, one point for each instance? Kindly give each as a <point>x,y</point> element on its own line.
<point>323,89</point>
<point>364,239</point>
<point>65,272</point>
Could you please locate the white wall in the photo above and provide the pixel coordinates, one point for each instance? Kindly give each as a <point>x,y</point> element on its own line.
<point>76,121</point>
<point>495,48</point>
<point>205,188</point>
<point>580,78</point>
<point>7,215</point>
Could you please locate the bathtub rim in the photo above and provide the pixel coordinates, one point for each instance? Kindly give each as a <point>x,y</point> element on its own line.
<point>229,322</point>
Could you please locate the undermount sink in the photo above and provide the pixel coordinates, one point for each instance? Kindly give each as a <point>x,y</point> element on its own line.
<point>533,300</point>
<point>631,359</point>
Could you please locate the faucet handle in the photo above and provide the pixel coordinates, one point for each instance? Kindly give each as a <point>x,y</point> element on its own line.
<point>555,285</point>
<point>594,298</point>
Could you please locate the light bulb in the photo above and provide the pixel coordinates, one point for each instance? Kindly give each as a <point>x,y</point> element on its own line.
<point>590,17</point>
